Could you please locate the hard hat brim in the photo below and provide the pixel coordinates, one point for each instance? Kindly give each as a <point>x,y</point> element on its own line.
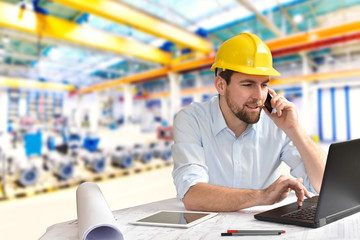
<point>249,70</point>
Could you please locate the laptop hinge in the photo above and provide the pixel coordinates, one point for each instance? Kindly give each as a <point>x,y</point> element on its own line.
<point>320,222</point>
<point>342,214</point>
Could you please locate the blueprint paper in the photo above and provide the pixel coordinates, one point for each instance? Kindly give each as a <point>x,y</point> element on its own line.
<point>343,229</point>
<point>95,219</point>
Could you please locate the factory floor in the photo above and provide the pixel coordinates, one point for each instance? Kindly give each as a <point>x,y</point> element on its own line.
<point>27,218</point>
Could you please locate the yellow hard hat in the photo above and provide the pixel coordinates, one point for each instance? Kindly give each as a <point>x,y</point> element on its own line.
<point>245,53</point>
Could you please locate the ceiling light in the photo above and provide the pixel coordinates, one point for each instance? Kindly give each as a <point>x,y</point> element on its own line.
<point>298,18</point>
<point>6,39</point>
<point>55,53</point>
<point>247,30</point>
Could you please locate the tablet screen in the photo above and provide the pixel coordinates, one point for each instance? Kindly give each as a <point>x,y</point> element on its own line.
<point>175,218</point>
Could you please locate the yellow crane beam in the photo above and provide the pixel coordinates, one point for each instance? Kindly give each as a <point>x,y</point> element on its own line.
<point>316,77</point>
<point>14,17</point>
<point>294,41</point>
<point>28,83</point>
<point>153,74</point>
<point>124,14</point>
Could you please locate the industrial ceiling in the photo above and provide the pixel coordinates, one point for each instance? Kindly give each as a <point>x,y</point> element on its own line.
<point>88,42</point>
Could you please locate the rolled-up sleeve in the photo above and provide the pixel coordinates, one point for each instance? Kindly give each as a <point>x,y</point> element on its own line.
<point>189,168</point>
<point>291,156</point>
<point>188,154</point>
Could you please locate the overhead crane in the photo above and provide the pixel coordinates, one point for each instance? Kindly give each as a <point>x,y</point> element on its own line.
<point>124,14</point>
<point>302,41</point>
<point>11,16</point>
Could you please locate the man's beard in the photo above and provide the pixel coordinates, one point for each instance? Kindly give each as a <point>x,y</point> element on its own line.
<point>241,113</point>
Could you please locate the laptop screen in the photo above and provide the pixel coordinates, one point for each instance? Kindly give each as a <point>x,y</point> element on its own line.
<point>340,188</point>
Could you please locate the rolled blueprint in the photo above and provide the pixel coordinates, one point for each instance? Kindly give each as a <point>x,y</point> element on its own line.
<point>95,220</point>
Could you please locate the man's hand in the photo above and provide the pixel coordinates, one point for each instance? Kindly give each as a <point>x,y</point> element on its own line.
<point>286,115</point>
<point>281,188</point>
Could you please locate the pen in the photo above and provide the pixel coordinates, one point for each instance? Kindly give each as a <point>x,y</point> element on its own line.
<point>252,232</point>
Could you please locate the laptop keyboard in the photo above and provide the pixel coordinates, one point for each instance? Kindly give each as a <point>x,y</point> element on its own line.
<point>302,213</point>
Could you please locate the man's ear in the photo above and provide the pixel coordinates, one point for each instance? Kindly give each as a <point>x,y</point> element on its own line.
<point>220,85</point>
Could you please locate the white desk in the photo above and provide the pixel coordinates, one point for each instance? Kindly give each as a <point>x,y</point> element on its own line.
<point>347,228</point>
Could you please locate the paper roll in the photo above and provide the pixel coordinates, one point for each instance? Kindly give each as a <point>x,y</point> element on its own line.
<point>95,220</point>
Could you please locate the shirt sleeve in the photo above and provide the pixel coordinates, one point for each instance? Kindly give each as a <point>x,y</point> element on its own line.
<point>291,156</point>
<point>188,154</point>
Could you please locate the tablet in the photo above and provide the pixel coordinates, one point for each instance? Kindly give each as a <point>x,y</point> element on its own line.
<point>182,219</point>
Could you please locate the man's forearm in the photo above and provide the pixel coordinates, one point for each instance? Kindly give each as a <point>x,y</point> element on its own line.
<point>207,197</point>
<point>313,155</point>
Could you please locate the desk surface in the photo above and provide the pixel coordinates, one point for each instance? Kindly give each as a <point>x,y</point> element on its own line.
<point>347,228</point>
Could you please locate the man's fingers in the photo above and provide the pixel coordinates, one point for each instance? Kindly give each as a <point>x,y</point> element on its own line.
<point>300,180</point>
<point>300,190</point>
<point>307,194</point>
<point>272,92</point>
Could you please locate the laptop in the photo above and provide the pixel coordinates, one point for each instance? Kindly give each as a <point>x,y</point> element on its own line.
<point>339,195</point>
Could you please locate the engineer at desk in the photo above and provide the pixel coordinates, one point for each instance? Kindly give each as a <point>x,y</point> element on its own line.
<point>227,151</point>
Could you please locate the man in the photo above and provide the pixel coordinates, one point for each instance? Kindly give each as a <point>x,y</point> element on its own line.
<point>227,153</point>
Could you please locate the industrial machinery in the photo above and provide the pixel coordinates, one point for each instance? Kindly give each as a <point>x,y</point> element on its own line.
<point>61,165</point>
<point>161,149</point>
<point>165,132</point>
<point>25,172</point>
<point>94,161</point>
<point>142,152</point>
<point>121,157</point>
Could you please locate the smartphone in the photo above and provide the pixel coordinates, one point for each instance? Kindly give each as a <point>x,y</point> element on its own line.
<point>267,103</point>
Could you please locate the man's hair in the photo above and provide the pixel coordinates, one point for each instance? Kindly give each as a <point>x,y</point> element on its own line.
<point>226,75</point>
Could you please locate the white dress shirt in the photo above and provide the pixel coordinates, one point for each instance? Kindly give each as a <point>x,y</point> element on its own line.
<point>206,150</point>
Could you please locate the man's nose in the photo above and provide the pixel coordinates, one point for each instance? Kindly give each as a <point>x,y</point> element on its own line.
<point>258,92</point>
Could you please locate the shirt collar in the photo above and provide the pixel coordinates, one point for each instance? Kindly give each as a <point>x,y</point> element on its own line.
<point>219,120</point>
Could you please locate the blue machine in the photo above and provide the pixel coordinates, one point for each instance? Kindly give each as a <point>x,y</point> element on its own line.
<point>121,158</point>
<point>166,155</point>
<point>33,143</point>
<point>50,143</point>
<point>142,153</point>
<point>95,161</point>
<point>60,165</point>
<point>64,171</point>
<point>74,140</point>
<point>91,144</point>
<point>161,150</point>
<point>28,176</point>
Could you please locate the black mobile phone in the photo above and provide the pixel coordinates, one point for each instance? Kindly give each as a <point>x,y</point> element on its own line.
<point>267,103</point>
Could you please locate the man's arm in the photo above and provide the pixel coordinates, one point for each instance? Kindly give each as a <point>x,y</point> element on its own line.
<point>313,156</point>
<point>207,197</point>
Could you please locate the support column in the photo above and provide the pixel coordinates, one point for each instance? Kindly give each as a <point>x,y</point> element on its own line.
<point>307,109</point>
<point>198,84</point>
<point>95,112</point>
<point>175,96</point>
<point>128,103</point>
<point>4,116</point>
<point>165,113</point>
<point>78,110</point>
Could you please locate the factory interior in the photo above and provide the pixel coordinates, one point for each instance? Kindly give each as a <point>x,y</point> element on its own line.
<point>89,90</point>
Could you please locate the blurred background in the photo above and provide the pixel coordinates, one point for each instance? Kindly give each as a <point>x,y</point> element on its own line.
<point>89,90</point>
